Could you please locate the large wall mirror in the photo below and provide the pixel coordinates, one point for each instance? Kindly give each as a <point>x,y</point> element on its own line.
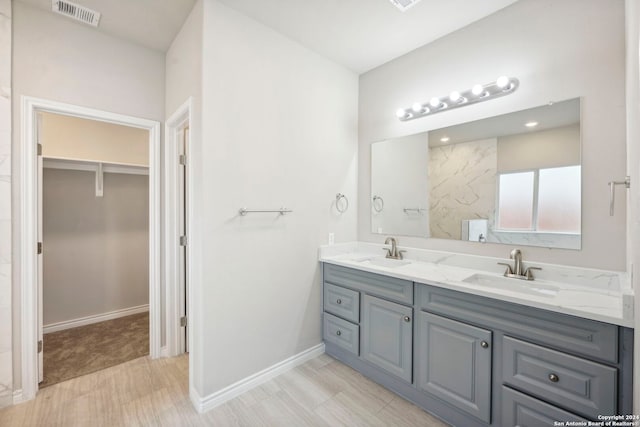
<point>514,178</point>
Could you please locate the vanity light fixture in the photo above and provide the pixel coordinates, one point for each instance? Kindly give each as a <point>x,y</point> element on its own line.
<point>531,124</point>
<point>502,86</point>
<point>444,139</point>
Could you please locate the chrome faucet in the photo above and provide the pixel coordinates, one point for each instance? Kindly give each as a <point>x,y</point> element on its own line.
<point>517,270</point>
<point>392,253</point>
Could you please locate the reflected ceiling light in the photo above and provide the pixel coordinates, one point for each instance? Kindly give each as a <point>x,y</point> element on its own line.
<point>531,124</point>
<point>404,4</point>
<point>478,93</point>
<point>444,139</point>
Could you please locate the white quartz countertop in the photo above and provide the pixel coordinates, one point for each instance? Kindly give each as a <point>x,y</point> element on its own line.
<point>592,294</point>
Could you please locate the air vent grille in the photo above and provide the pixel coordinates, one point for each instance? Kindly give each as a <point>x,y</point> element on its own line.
<point>404,4</point>
<point>75,11</point>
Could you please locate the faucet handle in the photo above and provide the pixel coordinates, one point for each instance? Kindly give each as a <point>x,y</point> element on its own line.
<point>509,269</point>
<point>388,252</point>
<point>528,274</point>
<point>400,252</point>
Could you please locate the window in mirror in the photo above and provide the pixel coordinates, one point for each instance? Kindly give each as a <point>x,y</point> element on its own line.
<point>515,201</point>
<point>559,200</point>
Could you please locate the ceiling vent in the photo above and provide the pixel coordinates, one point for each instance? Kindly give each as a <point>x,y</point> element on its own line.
<point>404,4</point>
<point>75,11</point>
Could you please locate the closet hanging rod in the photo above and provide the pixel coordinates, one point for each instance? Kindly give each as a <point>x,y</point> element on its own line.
<point>413,210</point>
<point>281,211</point>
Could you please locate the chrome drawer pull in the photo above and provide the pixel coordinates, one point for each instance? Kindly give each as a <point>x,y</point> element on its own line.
<point>338,301</point>
<point>484,344</point>
<point>338,333</point>
<point>554,378</point>
<point>407,319</point>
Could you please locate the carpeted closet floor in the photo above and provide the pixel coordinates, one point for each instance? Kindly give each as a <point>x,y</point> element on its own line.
<point>79,351</point>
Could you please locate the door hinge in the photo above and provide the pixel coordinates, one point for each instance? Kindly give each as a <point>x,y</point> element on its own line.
<point>39,149</point>
<point>39,248</point>
<point>183,321</point>
<point>40,346</point>
<point>183,240</point>
<point>182,159</point>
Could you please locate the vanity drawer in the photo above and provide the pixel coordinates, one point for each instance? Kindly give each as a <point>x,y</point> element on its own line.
<point>342,302</point>
<point>342,333</point>
<point>385,287</point>
<point>594,340</point>
<point>585,387</point>
<point>524,411</point>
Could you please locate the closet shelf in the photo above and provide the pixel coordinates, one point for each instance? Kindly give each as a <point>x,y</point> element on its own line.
<point>92,165</point>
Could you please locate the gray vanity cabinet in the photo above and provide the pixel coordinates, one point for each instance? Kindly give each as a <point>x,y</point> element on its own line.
<point>454,363</point>
<point>387,336</point>
<point>475,361</point>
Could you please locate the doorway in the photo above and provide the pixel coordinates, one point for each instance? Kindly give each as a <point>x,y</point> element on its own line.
<point>95,237</point>
<point>31,250</point>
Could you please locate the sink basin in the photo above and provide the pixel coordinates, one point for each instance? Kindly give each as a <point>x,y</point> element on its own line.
<point>530,287</point>
<point>387,262</point>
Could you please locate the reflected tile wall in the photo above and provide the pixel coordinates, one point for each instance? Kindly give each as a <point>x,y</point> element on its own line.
<point>462,185</point>
<point>6,383</point>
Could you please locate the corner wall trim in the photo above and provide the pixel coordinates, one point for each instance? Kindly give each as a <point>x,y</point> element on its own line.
<point>206,403</point>
<point>88,320</point>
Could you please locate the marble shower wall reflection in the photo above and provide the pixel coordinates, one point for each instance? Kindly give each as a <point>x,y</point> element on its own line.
<point>462,184</point>
<point>6,384</point>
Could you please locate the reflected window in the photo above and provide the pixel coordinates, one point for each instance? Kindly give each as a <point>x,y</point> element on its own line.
<point>545,200</point>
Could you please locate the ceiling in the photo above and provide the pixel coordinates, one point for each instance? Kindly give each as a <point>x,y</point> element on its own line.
<point>551,116</point>
<point>363,34</point>
<point>150,23</point>
<point>359,34</point>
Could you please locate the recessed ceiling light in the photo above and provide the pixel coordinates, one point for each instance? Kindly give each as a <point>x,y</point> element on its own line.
<point>404,4</point>
<point>444,139</point>
<point>531,124</point>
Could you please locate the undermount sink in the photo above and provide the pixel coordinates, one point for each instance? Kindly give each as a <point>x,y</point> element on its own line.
<point>387,262</point>
<point>530,287</point>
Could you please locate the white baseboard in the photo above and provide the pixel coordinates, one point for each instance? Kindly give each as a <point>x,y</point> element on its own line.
<point>204,404</point>
<point>17,397</point>
<point>164,351</point>
<point>82,321</point>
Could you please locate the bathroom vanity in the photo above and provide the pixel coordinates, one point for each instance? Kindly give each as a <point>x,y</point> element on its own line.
<point>477,355</point>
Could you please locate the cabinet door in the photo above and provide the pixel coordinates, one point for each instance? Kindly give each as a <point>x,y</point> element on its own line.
<point>454,363</point>
<point>386,331</point>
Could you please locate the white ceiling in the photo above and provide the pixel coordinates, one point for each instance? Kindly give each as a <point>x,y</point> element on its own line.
<point>359,34</point>
<point>363,34</point>
<point>151,23</point>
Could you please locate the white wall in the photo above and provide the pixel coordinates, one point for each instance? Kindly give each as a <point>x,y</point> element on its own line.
<point>633,165</point>
<point>96,251</point>
<point>184,80</point>
<point>6,375</point>
<point>559,49</point>
<point>68,137</point>
<point>58,59</point>
<point>279,128</point>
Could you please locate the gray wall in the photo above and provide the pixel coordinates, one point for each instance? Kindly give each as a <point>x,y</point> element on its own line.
<point>559,49</point>
<point>96,249</point>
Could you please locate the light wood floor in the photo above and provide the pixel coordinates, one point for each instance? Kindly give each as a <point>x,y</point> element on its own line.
<point>144,392</point>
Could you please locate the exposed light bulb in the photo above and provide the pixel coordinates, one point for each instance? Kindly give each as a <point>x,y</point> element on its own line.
<point>477,90</point>
<point>401,113</point>
<point>444,139</point>
<point>531,124</point>
<point>455,96</point>
<point>435,102</point>
<point>502,82</point>
<point>417,107</point>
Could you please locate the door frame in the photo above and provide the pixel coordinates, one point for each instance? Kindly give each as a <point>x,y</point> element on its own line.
<point>174,296</point>
<point>29,208</point>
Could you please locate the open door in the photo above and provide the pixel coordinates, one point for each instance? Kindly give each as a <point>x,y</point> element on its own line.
<point>182,229</point>
<point>40,250</point>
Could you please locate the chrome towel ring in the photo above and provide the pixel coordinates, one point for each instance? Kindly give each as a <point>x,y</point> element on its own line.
<point>378,207</point>
<point>345,205</point>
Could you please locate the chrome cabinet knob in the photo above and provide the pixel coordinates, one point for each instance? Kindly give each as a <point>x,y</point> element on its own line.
<point>407,319</point>
<point>338,333</point>
<point>338,301</point>
<point>554,378</point>
<point>484,344</point>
